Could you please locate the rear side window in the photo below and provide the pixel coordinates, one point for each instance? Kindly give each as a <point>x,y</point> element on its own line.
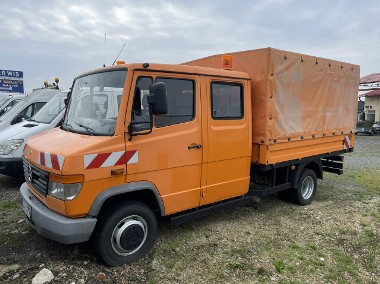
<point>180,95</point>
<point>227,100</point>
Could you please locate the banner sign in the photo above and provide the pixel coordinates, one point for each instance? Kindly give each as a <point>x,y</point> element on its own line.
<point>11,81</point>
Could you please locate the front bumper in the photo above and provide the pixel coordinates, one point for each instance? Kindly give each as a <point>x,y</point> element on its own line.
<point>11,167</point>
<point>52,225</point>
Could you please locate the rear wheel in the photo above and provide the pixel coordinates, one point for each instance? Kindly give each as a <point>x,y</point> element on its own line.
<point>307,187</point>
<point>305,191</point>
<point>126,233</point>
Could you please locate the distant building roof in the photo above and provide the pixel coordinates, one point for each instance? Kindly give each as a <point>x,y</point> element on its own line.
<point>371,78</point>
<point>374,93</point>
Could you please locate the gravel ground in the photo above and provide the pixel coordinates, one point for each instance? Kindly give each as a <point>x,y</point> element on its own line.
<point>336,239</point>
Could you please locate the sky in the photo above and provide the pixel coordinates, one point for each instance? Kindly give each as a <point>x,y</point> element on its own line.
<point>48,39</point>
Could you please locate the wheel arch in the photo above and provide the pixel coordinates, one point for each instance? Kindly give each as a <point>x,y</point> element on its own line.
<point>143,191</point>
<point>315,166</point>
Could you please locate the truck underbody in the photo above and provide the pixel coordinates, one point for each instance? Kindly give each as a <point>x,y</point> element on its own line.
<point>282,178</point>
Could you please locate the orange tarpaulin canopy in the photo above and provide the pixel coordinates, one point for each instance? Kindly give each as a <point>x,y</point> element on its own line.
<point>295,96</point>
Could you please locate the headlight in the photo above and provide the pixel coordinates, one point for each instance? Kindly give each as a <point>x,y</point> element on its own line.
<point>8,147</point>
<point>64,191</point>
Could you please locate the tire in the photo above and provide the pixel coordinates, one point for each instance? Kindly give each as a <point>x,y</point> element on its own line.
<point>307,187</point>
<point>371,133</point>
<point>305,191</point>
<point>125,233</point>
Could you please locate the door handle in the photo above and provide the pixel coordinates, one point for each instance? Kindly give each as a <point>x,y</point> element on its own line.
<point>194,146</point>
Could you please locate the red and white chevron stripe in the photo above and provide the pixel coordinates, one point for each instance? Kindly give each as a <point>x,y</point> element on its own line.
<point>95,161</point>
<point>50,160</point>
<point>346,142</point>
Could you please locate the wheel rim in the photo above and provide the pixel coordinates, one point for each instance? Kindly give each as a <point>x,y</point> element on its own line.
<point>129,235</point>
<point>307,187</point>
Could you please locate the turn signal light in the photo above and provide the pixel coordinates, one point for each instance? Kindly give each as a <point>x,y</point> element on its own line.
<point>119,62</point>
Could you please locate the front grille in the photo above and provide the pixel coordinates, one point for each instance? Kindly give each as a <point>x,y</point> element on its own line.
<point>36,178</point>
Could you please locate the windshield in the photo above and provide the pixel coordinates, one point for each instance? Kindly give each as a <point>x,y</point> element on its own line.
<point>52,108</point>
<point>94,103</point>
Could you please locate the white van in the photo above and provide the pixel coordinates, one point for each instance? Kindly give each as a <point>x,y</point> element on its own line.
<point>13,139</point>
<point>7,103</point>
<point>27,107</point>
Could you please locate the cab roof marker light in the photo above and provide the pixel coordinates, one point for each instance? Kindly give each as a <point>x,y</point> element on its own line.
<point>227,62</point>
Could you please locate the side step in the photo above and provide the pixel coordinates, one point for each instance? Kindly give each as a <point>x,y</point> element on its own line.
<point>260,191</point>
<point>208,209</point>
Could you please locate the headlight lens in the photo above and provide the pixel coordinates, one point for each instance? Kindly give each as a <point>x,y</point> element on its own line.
<point>64,191</point>
<point>8,147</point>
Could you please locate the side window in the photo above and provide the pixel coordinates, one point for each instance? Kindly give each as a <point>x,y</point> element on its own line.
<point>140,108</point>
<point>37,107</point>
<point>227,100</point>
<point>180,95</point>
<point>26,112</point>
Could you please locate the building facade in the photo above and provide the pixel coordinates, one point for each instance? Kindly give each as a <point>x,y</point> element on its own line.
<point>372,106</point>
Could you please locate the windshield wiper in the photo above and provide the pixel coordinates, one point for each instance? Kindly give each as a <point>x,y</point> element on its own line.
<point>88,129</point>
<point>30,119</point>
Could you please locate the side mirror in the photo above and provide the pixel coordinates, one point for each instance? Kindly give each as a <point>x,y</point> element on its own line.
<point>158,104</point>
<point>157,98</point>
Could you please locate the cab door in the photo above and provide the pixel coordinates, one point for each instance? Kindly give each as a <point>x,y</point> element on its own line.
<point>170,157</point>
<point>228,146</point>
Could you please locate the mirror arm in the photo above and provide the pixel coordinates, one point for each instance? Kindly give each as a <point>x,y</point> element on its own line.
<point>130,126</point>
<point>130,132</point>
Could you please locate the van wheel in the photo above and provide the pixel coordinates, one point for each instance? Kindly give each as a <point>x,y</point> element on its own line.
<point>307,188</point>
<point>305,191</point>
<point>125,233</point>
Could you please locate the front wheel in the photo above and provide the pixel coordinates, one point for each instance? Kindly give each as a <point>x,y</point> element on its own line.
<point>125,233</point>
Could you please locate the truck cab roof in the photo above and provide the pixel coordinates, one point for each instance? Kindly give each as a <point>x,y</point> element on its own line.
<point>175,68</point>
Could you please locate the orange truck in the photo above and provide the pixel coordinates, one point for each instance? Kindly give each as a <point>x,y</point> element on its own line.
<point>140,141</point>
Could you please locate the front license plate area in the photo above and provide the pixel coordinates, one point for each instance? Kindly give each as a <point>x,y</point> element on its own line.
<point>26,208</point>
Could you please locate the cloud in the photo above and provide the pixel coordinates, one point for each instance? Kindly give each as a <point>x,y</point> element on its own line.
<point>64,38</point>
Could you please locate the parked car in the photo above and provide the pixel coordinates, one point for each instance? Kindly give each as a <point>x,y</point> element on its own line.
<point>376,127</point>
<point>14,138</point>
<point>27,107</point>
<point>367,127</point>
